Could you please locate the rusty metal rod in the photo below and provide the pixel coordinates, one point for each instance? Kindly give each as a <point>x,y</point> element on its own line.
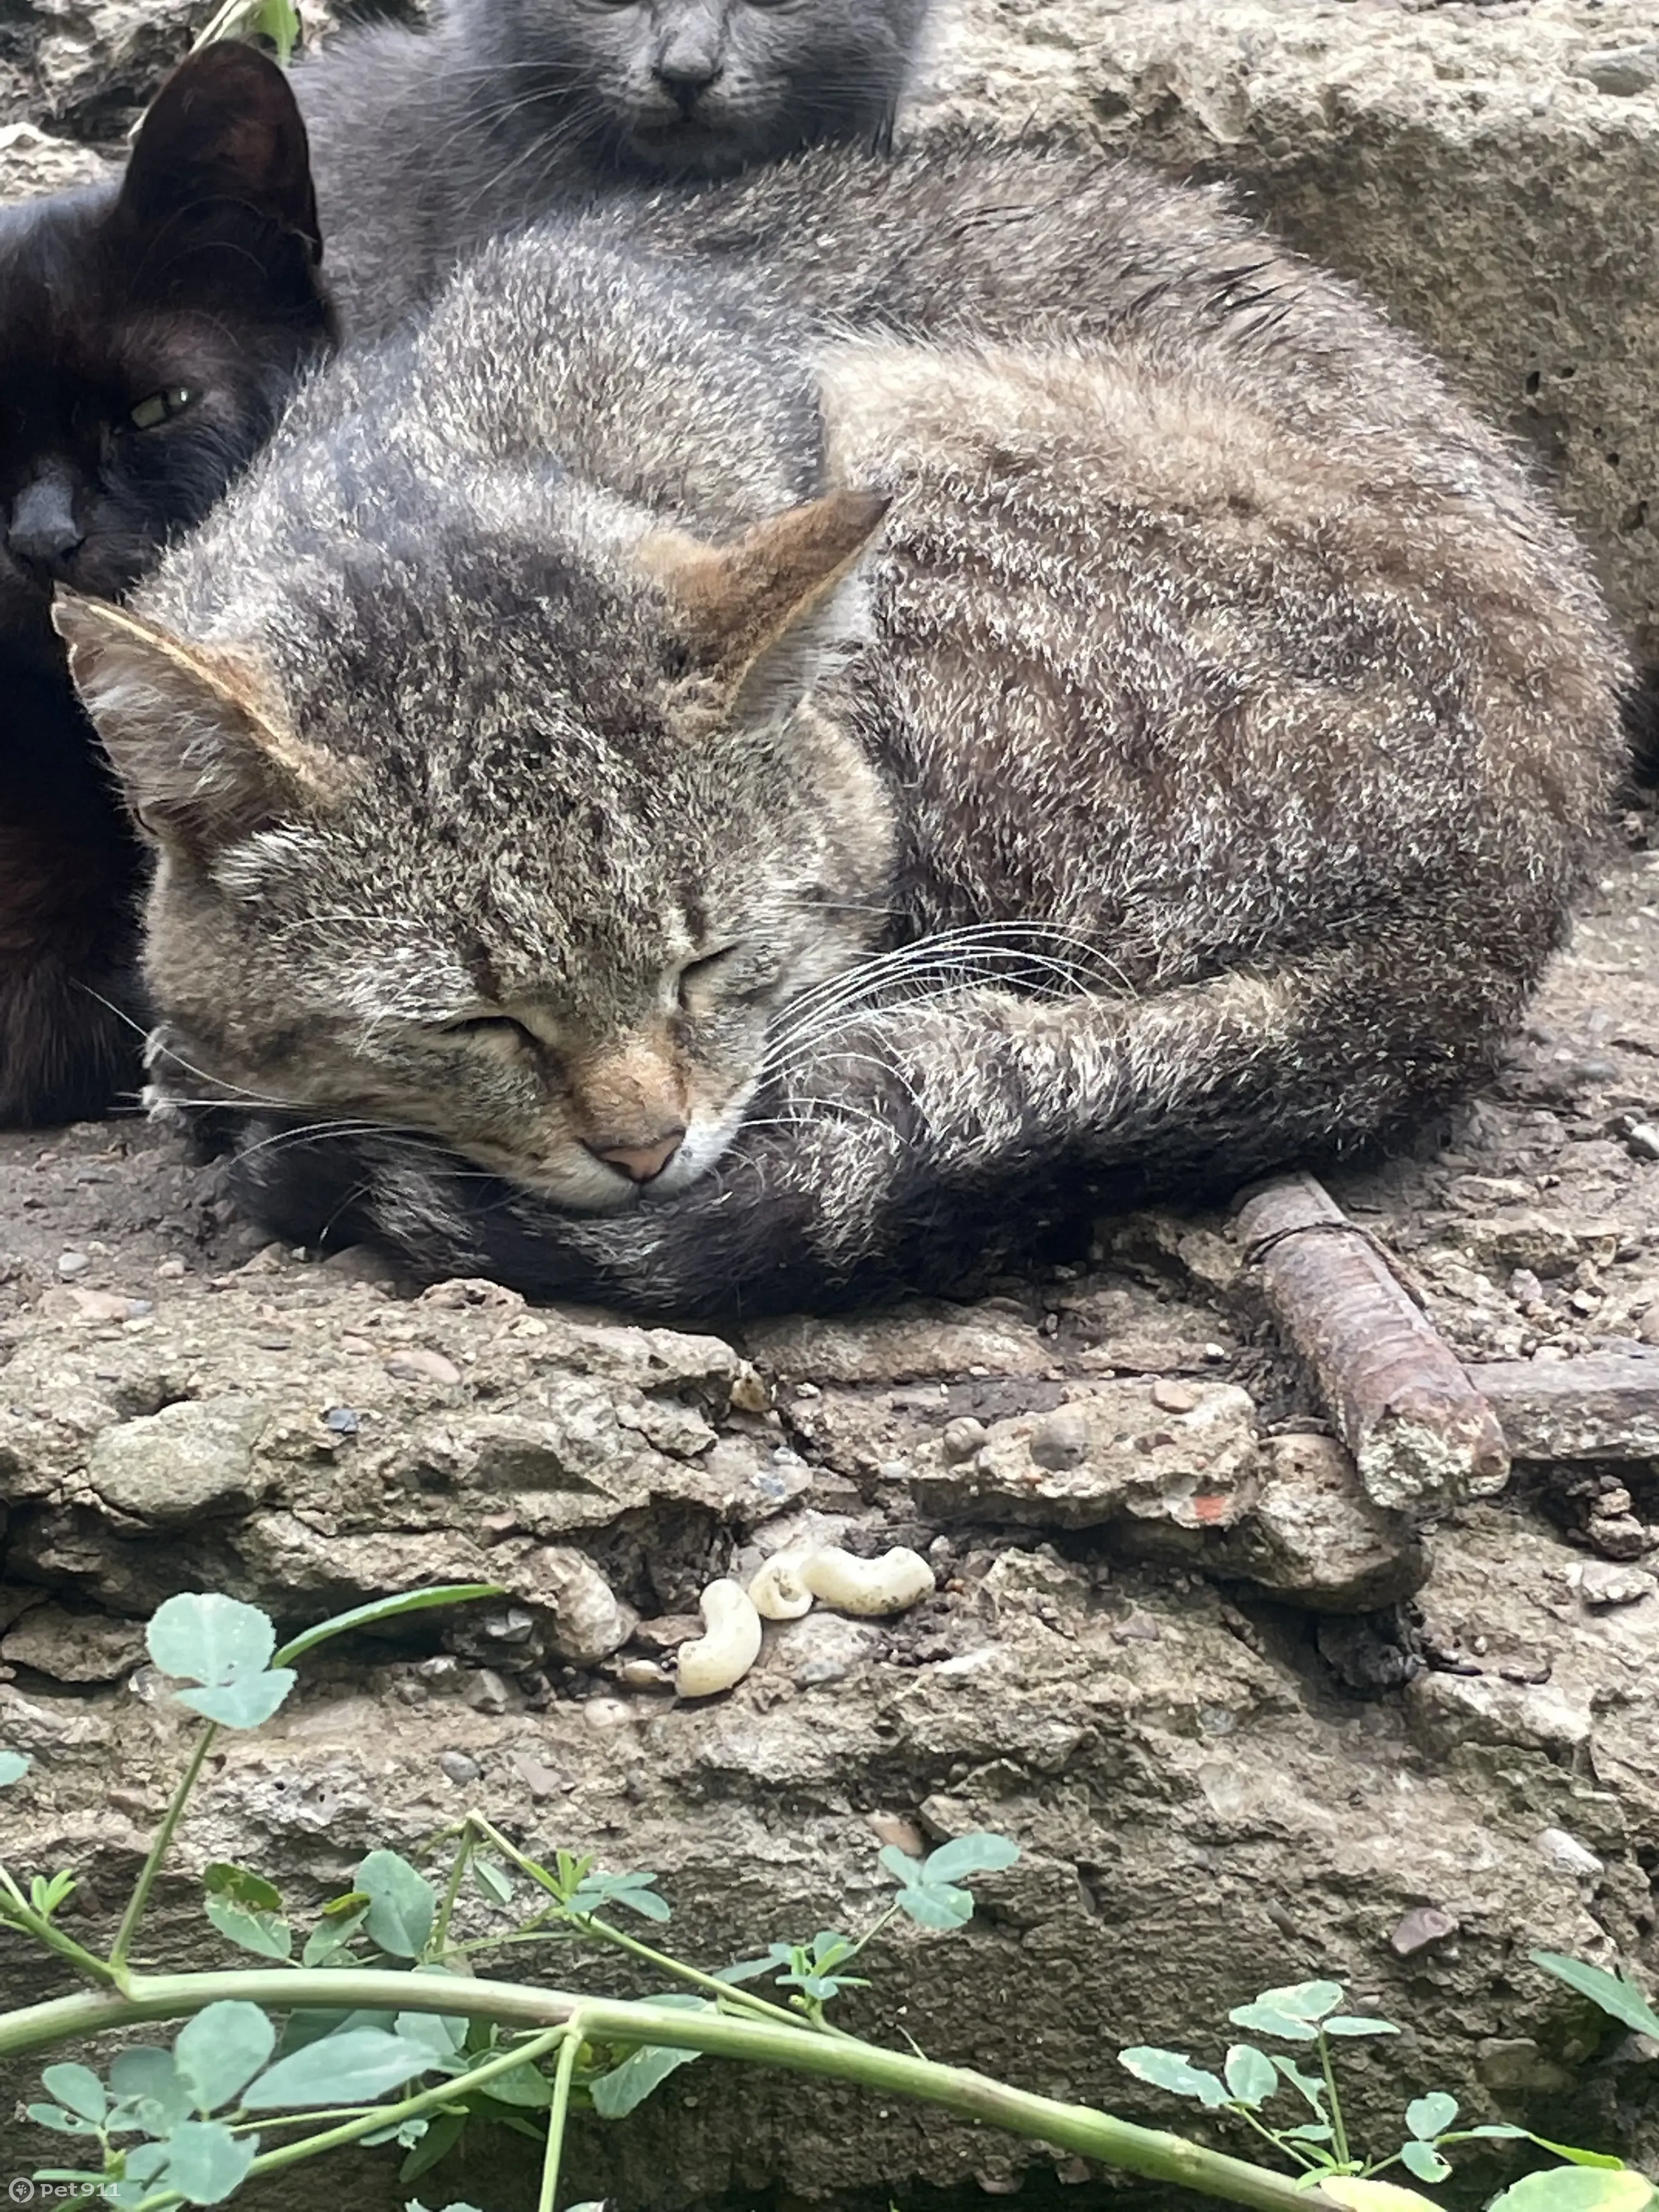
<point>1421,1434</point>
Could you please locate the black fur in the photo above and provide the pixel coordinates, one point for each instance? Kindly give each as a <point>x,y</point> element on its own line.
<point>199,272</point>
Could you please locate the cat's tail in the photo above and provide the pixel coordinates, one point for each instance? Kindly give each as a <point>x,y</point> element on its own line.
<point>930,1144</point>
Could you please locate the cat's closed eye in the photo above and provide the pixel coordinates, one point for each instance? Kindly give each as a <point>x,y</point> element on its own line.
<point>696,977</point>
<point>162,406</point>
<point>498,1029</point>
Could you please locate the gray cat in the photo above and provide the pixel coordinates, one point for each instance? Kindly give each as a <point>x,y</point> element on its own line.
<point>861,792</point>
<point>425,144</point>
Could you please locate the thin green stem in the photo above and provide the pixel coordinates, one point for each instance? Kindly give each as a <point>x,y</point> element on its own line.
<point>1339,2133</point>
<point>1147,2152</point>
<point>1286,2149</point>
<point>452,1889</point>
<point>300,2119</point>
<point>728,1993</point>
<point>870,1934</point>
<point>559,2112</point>
<point>16,1911</point>
<point>158,1851</point>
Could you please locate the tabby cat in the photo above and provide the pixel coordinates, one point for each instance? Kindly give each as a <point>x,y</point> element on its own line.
<point>776,852</point>
<point>426,143</point>
<point>149,334</point>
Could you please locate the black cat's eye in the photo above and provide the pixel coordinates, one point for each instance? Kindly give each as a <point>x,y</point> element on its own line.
<point>162,406</point>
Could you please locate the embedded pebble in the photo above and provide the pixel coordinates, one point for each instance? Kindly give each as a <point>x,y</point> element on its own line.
<point>417,1364</point>
<point>1602,1583</point>
<point>607,1712</point>
<point>458,1767</point>
<point>1417,1928</point>
<point>1173,1397</point>
<point>1061,1440</point>
<point>963,1438</point>
<point>1567,1851</point>
<point>1622,72</point>
<point>72,1263</point>
<point>487,1694</point>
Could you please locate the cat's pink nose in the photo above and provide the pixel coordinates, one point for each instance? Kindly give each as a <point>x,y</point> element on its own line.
<point>641,1162</point>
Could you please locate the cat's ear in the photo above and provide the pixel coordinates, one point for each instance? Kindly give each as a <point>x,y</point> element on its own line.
<point>761,615</point>
<point>224,129</point>
<point>196,736</point>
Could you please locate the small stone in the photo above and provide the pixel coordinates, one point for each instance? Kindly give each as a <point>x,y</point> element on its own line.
<point>459,1768</point>
<point>487,1694</point>
<point>607,1713</point>
<point>170,1271</point>
<point>1622,72</point>
<point>1642,1140</point>
<point>821,1647</point>
<point>360,1263</point>
<point>342,1421</point>
<point>1417,1930</point>
<point>193,1457</point>
<point>962,1439</point>
<point>1603,1584</point>
<point>1061,1440</point>
<point>538,1778</point>
<point>462,1290</point>
<point>903,1835</point>
<point>1618,1535</point>
<point>417,1364</point>
<point>71,1264</point>
<point>642,1675</point>
<point>1172,1397</point>
<point>667,1631</point>
<point>1567,1851</point>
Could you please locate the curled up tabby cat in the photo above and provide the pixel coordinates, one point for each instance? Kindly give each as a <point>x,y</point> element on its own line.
<point>653,805</point>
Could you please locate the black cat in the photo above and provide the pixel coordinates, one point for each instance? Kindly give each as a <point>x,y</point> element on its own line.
<point>150,332</point>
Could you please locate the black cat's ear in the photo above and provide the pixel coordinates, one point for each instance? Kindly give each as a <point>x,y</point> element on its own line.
<point>195,732</point>
<point>763,615</point>
<point>225,127</point>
